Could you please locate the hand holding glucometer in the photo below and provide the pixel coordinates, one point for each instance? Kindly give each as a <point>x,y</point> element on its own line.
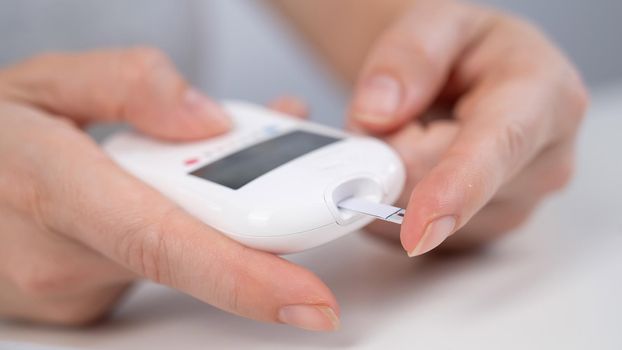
<point>273,183</point>
<point>78,230</point>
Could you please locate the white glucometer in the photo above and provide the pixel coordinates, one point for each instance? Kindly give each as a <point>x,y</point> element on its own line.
<point>273,183</point>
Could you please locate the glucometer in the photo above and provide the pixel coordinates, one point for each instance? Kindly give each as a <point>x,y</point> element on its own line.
<point>274,182</point>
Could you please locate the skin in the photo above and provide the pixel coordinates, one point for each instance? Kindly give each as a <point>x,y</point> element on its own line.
<point>80,230</point>
<point>482,108</point>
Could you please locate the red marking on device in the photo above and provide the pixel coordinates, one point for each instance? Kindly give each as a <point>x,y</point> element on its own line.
<point>191,161</point>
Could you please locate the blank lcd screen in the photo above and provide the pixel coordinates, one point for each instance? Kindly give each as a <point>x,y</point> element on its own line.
<point>242,167</point>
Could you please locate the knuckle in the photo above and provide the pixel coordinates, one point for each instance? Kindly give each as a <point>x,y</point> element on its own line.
<point>234,293</point>
<point>395,48</point>
<point>553,66</point>
<point>399,46</point>
<point>227,289</point>
<point>514,141</point>
<point>144,248</point>
<point>38,185</point>
<point>137,66</point>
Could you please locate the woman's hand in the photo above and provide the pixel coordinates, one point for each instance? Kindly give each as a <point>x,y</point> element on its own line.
<point>514,104</point>
<point>76,230</point>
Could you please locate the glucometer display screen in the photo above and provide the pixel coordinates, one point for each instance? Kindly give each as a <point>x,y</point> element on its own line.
<point>242,167</point>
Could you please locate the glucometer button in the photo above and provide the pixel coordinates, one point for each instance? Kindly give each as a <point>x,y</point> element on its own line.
<point>191,161</point>
<point>271,130</point>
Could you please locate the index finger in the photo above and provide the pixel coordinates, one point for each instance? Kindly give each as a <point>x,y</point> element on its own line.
<point>513,107</point>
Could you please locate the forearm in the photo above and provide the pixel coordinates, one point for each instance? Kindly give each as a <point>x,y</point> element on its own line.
<point>342,31</point>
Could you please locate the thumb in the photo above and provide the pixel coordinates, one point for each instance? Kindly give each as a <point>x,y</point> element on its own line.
<point>138,85</point>
<point>410,63</point>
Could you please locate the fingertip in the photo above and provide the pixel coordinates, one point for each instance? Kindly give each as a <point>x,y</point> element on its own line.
<point>445,199</point>
<point>309,303</point>
<point>432,214</point>
<point>377,100</point>
<point>204,114</point>
<point>194,117</point>
<point>383,104</point>
<point>365,124</point>
<point>290,105</point>
<point>309,317</point>
<point>304,285</point>
<point>434,234</point>
<point>274,286</point>
<point>408,234</point>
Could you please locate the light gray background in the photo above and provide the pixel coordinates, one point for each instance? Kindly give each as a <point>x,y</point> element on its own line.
<point>240,49</point>
<point>589,31</point>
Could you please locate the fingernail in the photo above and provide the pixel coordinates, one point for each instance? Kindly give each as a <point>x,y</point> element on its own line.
<point>199,106</point>
<point>309,317</point>
<point>435,233</point>
<point>378,99</point>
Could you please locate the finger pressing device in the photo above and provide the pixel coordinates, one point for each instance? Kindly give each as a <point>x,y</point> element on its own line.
<point>274,182</point>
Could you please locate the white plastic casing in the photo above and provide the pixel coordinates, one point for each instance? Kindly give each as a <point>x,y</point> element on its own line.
<point>290,208</point>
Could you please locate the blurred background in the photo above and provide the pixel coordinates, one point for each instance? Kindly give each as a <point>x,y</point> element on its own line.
<point>589,31</point>
<point>242,49</point>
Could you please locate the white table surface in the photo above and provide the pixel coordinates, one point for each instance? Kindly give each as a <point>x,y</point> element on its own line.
<point>554,284</point>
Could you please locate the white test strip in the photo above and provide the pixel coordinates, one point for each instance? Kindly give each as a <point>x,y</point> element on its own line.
<point>378,210</point>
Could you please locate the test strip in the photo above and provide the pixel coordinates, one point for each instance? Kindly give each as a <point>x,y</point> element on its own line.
<point>378,210</point>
